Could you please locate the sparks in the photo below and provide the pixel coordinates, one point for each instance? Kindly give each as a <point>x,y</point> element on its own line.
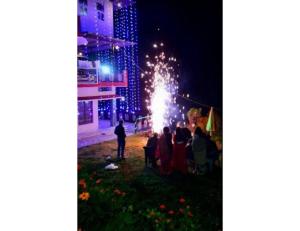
<point>161,87</point>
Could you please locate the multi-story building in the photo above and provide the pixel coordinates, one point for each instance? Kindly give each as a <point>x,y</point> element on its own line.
<point>108,76</point>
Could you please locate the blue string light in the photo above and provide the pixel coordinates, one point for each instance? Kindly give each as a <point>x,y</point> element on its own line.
<point>125,27</point>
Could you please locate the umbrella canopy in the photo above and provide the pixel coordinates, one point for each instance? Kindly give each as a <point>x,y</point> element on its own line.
<point>211,125</point>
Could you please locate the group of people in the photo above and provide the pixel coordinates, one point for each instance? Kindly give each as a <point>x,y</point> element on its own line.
<point>182,152</point>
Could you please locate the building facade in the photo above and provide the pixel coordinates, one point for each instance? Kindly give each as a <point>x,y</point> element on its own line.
<point>108,75</point>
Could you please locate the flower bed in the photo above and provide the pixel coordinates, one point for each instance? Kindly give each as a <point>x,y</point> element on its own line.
<point>107,200</point>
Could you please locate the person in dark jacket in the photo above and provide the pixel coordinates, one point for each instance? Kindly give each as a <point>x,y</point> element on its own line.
<point>150,150</point>
<point>212,153</point>
<point>120,132</point>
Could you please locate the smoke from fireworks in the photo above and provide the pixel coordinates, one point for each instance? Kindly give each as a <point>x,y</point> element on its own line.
<point>162,87</point>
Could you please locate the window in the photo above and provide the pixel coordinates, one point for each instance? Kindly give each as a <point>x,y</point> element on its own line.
<point>100,10</point>
<point>100,6</point>
<point>85,112</point>
<point>100,16</point>
<point>105,88</point>
<point>83,6</point>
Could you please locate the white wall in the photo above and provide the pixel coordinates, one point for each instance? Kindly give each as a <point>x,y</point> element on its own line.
<point>92,126</point>
<point>93,91</point>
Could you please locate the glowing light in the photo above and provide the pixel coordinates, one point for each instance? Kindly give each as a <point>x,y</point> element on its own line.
<point>155,45</point>
<point>105,69</point>
<point>119,4</point>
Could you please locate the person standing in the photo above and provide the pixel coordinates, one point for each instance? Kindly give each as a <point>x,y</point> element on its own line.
<point>150,150</point>
<point>199,147</point>
<point>179,152</point>
<point>165,151</point>
<point>120,132</point>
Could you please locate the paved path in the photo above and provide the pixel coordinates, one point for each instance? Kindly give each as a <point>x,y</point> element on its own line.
<point>104,133</point>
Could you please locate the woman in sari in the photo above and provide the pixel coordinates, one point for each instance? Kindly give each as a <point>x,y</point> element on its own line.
<point>179,153</point>
<point>165,151</point>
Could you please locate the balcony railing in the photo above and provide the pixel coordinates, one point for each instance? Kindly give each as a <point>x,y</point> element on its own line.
<point>91,72</point>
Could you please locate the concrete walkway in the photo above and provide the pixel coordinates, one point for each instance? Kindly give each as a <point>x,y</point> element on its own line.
<point>104,133</point>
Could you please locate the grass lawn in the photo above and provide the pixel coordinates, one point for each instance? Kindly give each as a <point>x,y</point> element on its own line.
<point>137,198</point>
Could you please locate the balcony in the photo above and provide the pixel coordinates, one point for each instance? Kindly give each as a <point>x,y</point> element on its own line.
<point>92,74</point>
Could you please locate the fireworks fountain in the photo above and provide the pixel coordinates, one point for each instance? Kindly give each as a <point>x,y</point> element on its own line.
<point>161,87</point>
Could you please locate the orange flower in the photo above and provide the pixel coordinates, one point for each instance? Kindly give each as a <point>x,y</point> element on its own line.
<point>98,181</point>
<point>82,183</point>
<point>171,212</point>
<point>84,196</point>
<point>181,200</point>
<point>162,207</point>
<point>190,214</point>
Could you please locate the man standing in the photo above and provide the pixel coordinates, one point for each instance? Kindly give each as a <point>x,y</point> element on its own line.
<point>120,132</point>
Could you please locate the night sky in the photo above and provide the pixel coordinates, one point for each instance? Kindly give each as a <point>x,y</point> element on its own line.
<point>193,33</point>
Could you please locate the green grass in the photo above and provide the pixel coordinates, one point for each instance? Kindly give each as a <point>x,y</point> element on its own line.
<point>144,191</point>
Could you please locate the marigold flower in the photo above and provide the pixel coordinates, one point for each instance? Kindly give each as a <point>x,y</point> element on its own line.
<point>190,214</point>
<point>162,207</point>
<point>181,200</point>
<point>171,212</point>
<point>98,181</point>
<point>84,196</point>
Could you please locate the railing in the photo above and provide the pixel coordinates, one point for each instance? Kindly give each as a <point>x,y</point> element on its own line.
<point>87,75</point>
